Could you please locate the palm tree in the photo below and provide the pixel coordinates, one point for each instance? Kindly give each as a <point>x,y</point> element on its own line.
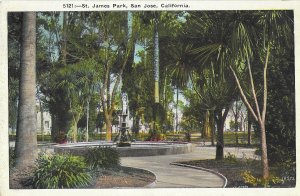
<point>178,61</point>
<point>245,39</point>
<point>275,30</point>
<point>26,139</point>
<point>211,80</point>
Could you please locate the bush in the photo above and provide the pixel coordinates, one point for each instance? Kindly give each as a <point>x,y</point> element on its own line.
<point>187,136</point>
<point>142,136</point>
<point>155,135</point>
<point>231,158</point>
<point>102,157</point>
<point>60,171</point>
<point>259,181</point>
<point>60,137</point>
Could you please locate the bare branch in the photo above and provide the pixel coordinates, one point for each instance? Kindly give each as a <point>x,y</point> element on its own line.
<point>265,85</point>
<point>253,88</point>
<point>243,95</point>
<point>120,74</point>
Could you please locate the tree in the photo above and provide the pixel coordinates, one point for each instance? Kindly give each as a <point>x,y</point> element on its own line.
<point>80,81</point>
<point>211,80</point>
<point>275,26</point>
<point>180,65</point>
<point>14,37</point>
<point>115,49</point>
<point>281,108</point>
<point>237,113</point>
<point>55,41</point>
<point>26,139</point>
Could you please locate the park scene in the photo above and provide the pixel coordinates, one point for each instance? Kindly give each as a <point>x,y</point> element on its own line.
<point>151,99</point>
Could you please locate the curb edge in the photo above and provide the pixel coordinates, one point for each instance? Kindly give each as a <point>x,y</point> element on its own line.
<point>204,169</point>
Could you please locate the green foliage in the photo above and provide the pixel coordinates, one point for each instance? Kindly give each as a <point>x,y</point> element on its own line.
<point>60,137</point>
<point>231,158</point>
<point>102,157</point>
<point>141,136</point>
<point>286,170</point>
<point>187,136</point>
<point>155,135</point>
<point>47,138</point>
<point>260,182</point>
<point>280,122</point>
<point>14,35</point>
<point>233,124</point>
<point>60,171</point>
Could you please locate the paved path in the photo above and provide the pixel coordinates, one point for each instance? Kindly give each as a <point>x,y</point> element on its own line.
<point>182,177</point>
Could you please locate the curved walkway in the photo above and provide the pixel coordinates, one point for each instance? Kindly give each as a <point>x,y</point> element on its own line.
<point>171,176</point>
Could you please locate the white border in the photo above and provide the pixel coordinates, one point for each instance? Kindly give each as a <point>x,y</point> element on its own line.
<point>16,6</point>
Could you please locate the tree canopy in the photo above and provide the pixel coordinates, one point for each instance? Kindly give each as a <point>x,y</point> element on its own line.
<point>85,60</point>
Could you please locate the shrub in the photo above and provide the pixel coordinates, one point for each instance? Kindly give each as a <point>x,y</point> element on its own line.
<point>142,136</point>
<point>155,135</point>
<point>60,137</point>
<point>60,171</point>
<point>260,182</point>
<point>187,136</point>
<point>102,157</point>
<point>231,158</point>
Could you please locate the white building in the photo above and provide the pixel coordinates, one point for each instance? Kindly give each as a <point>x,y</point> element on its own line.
<point>46,122</point>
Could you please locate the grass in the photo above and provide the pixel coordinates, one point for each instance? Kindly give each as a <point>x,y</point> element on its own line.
<point>229,138</point>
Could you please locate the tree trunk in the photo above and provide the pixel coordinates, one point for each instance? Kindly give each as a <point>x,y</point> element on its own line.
<point>64,39</point>
<point>264,156</point>
<point>176,115</point>
<point>220,141</point>
<point>156,61</point>
<point>259,117</point>
<point>206,125</point>
<point>74,134</point>
<point>236,131</point>
<point>249,129</point>
<point>165,89</point>
<point>220,119</point>
<point>156,73</point>
<point>108,124</point>
<point>136,125</point>
<point>212,127</point>
<point>26,139</point>
<point>42,119</point>
<point>87,120</point>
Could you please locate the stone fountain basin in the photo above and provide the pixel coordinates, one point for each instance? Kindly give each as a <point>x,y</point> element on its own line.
<point>136,149</point>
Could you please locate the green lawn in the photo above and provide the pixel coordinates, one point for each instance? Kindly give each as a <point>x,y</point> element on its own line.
<point>229,138</point>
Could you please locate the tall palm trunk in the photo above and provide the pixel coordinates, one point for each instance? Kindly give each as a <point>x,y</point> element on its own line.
<point>156,72</point>
<point>156,62</point>
<point>26,140</point>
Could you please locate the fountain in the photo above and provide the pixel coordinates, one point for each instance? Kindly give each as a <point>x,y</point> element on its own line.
<point>123,139</point>
<point>123,143</point>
